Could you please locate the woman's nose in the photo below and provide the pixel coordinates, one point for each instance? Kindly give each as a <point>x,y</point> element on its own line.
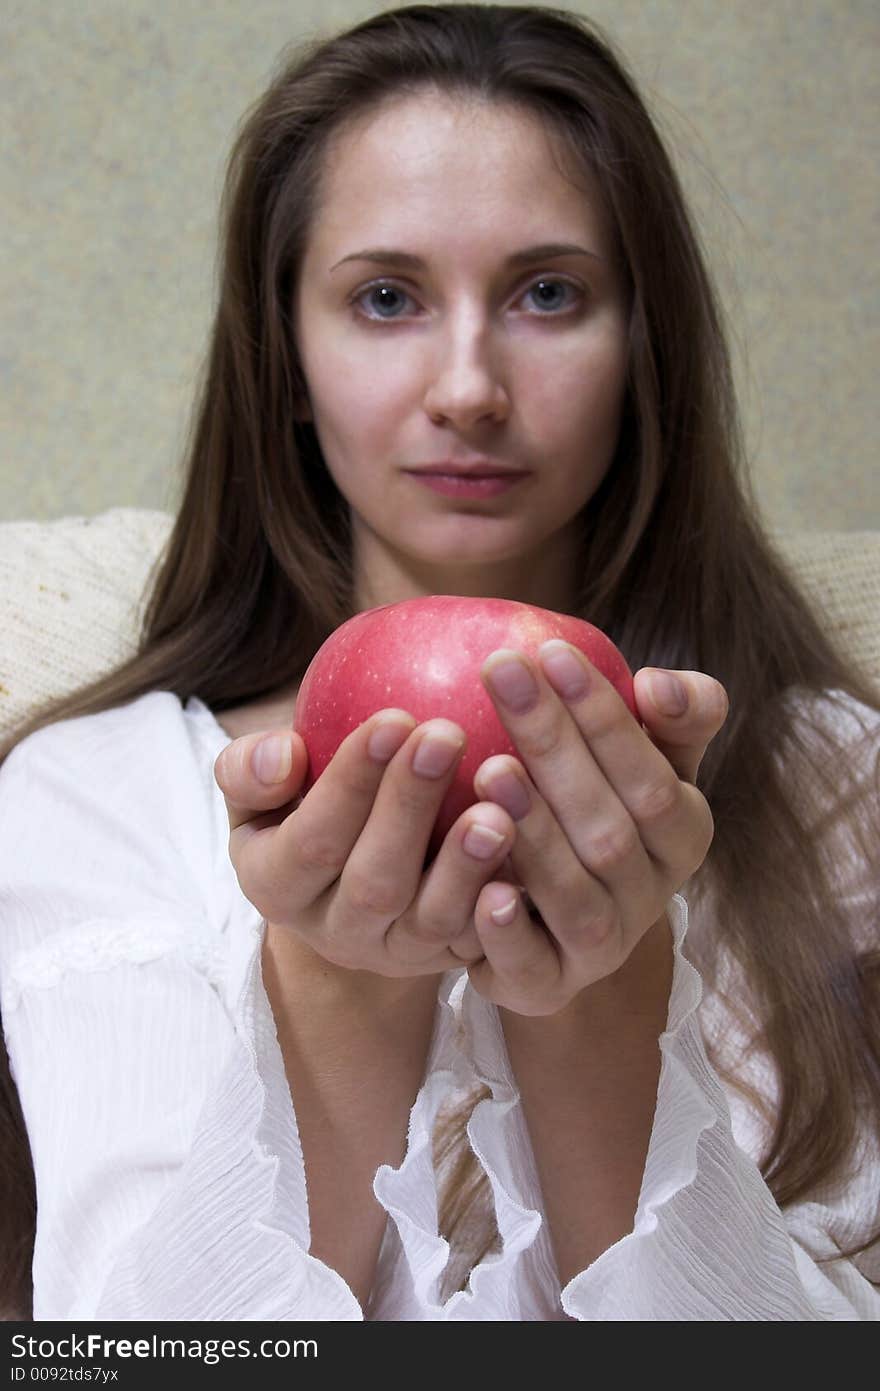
<point>466,385</point>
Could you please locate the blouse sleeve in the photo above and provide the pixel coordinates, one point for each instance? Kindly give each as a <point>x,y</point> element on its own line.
<point>169,1176</point>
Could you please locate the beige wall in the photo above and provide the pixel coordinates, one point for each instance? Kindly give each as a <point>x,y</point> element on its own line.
<point>121,112</point>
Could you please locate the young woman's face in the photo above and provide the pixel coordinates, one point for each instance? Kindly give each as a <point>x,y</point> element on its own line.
<point>439,322</point>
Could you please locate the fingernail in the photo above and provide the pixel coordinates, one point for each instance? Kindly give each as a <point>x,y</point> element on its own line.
<point>272,759</point>
<point>435,755</point>
<point>482,842</point>
<point>387,737</point>
<point>513,683</point>
<point>506,913</point>
<point>510,793</point>
<point>565,672</point>
<point>668,693</point>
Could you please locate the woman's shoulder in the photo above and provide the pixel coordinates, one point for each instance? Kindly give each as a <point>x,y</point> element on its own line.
<point>113,830</point>
<point>138,776</point>
<point>153,738</point>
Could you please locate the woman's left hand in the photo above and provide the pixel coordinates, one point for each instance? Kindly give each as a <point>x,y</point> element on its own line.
<point>610,826</point>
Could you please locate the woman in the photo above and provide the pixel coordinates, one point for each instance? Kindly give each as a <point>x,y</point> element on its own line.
<point>453,241</point>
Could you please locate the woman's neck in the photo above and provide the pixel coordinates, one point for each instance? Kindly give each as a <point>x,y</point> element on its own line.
<point>547,579</point>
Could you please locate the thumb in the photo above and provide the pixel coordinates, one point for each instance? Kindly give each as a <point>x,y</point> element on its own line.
<point>682,711</point>
<point>260,772</point>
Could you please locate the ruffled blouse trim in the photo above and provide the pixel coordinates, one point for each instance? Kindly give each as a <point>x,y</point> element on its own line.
<point>653,1271</point>
<point>409,1193</point>
<point>499,1138</point>
<point>471,1051</point>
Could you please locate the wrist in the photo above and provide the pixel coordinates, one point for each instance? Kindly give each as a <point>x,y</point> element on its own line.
<point>634,998</point>
<point>303,976</point>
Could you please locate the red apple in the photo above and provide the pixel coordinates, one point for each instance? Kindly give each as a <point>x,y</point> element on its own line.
<point>424,656</point>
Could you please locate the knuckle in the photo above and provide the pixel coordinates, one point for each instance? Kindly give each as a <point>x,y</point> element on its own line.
<point>612,845</point>
<point>429,927</point>
<point>600,925</point>
<point>371,896</point>
<point>540,739</point>
<point>656,800</point>
<point>316,849</point>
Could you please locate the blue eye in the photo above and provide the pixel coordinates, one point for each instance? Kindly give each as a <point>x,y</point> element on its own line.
<point>382,297</point>
<point>551,302</point>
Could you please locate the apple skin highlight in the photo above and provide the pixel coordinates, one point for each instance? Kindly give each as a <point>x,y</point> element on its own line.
<point>424,656</point>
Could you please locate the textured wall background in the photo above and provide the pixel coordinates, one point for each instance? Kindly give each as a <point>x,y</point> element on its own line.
<point>118,116</point>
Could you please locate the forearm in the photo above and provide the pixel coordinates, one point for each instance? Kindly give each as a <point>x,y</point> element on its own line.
<point>354,1047</point>
<point>588,1081</point>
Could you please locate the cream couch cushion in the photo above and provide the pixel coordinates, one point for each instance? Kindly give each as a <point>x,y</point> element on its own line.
<point>72,592</point>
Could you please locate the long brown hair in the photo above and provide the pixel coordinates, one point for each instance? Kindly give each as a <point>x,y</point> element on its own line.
<point>676,567</point>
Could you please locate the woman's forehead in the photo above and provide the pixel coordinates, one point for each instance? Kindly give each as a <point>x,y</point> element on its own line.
<point>433,161</point>
<point>421,126</point>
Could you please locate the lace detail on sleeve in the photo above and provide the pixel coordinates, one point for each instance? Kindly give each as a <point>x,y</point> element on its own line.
<point>99,944</point>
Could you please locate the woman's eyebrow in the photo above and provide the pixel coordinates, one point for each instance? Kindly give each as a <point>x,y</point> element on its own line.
<point>407,261</point>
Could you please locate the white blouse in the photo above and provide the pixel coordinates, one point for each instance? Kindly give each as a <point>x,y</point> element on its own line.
<point>169,1172</point>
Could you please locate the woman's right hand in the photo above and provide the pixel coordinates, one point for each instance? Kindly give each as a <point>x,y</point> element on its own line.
<point>343,866</point>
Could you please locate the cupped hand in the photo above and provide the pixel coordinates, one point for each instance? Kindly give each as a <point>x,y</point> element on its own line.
<point>609,823</point>
<point>343,866</point>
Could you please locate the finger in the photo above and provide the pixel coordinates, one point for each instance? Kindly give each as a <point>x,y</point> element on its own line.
<point>575,903</point>
<point>382,872</point>
<point>522,968</point>
<point>669,817</point>
<point>683,711</point>
<point>611,790</point>
<point>442,912</point>
<point>287,866</point>
<point>260,772</point>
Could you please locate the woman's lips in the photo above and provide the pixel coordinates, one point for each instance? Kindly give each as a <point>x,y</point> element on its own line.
<point>467,485</point>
